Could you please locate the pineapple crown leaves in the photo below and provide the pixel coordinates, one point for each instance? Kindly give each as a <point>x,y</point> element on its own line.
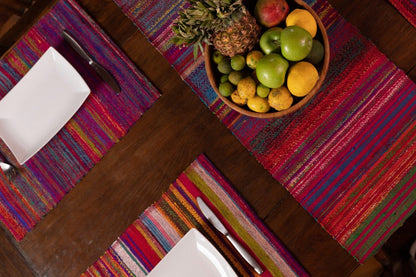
<point>203,18</point>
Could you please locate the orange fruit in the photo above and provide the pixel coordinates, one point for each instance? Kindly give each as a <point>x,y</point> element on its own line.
<point>302,18</point>
<point>246,87</point>
<point>253,58</point>
<point>235,97</point>
<point>301,78</point>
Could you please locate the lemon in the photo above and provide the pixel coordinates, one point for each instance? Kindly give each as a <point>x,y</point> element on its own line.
<point>253,58</point>
<point>258,104</point>
<point>246,88</point>
<point>238,62</point>
<point>302,18</point>
<point>301,78</point>
<point>280,98</point>
<point>235,97</point>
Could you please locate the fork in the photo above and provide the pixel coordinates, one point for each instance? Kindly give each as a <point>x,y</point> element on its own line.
<point>9,170</point>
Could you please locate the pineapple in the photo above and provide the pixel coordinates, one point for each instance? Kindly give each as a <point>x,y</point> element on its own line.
<point>225,24</point>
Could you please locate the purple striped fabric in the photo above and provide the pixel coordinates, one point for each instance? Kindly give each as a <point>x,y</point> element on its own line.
<point>349,156</point>
<point>98,124</point>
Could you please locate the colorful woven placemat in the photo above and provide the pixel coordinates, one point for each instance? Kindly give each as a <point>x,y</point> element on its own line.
<point>98,124</point>
<point>160,226</point>
<point>349,156</point>
<point>407,8</point>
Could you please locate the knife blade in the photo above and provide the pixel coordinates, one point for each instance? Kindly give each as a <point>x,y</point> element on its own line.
<point>215,221</point>
<point>102,72</point>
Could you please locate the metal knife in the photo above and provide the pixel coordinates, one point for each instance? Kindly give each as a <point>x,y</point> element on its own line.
<point>209,214</point>
<point>102,72</point>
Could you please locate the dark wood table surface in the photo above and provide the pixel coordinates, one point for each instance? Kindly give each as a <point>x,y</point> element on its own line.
<point>168,137</point>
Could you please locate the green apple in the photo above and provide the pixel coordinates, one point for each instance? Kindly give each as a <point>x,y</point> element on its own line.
<point>296,43</point>
<point>317,53</point>
<point>270,40</point>
<point>271,70</point>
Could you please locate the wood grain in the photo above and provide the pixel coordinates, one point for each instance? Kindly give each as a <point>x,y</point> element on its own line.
<point>169,136</point>
<point>12,263</point>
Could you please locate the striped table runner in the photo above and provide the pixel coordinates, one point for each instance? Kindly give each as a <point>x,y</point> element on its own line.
<point>160,227</point>
<point>349,156</point>
<point>407,8</point>
<point>97,125</point>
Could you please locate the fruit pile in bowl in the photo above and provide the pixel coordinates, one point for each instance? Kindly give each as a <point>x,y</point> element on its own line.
<point>264,58</point>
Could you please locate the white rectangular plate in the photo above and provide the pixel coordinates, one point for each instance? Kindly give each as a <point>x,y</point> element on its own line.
<point>40,104</point>
<point>193,256</point>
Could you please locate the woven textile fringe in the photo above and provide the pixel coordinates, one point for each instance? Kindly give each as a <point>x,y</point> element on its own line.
<point>407,8</point>
<point>98,124</point>
<point>161,226</point>
<point>348,157</point>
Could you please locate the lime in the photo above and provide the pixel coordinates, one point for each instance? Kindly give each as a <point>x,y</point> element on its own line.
<point>217,56</point>
<point>224,66</point>
<point>235,76</point>
<point>226,89</point>
<point>238,62</point>
<point>317,52</point>
<point>262,90</point>
<point>224,78</point>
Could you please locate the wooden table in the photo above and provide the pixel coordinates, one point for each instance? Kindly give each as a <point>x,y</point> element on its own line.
<point>169,136</point>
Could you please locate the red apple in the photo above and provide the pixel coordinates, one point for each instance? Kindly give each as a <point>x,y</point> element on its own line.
<point>271,12</point>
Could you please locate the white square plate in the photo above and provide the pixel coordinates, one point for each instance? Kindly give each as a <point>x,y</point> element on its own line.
<point>193,256</point>
<point>40,104</point>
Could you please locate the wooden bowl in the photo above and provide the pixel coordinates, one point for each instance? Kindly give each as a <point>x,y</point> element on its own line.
<point>214,75</point>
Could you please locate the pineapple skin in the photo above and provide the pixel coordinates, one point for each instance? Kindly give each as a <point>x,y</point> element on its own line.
<point>239,38</point>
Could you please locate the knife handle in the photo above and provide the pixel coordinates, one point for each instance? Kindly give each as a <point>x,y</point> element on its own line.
<point>77,47</point>
<point>243,252</point>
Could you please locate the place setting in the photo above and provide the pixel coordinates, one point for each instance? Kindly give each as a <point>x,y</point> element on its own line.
<point>45,99</point>
<point>199,226</point>
<point>40,105</point>
<point>63,86</point>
